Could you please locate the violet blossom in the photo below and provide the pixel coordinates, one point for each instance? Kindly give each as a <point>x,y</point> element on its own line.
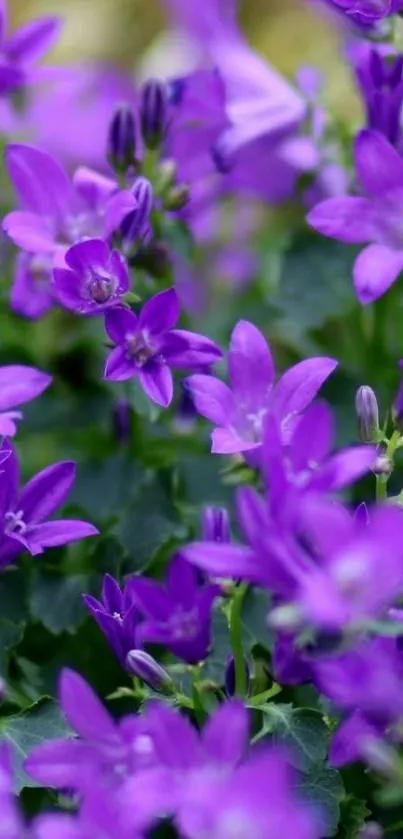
<point>373,217</point>
<point>25,513</point>
<point>239,412</point>
<point>148,346</point>
<point>18,385</point>
<point>380,77</point>
<point>117,616</point>
<point>21,49</point>
<point>95,278</point>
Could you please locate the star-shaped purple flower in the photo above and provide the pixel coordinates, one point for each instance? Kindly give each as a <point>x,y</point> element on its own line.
<point>116,615</point>
<point>239,412</point>
<point>147,346</point>
<point>95,279</point>
<point>18,384</point>
<point>375,217</point>
<point>24,513</point>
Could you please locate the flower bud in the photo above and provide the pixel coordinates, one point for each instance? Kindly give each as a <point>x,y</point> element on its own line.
<point>144,666</point>
<point>121,142</point>
<point>230,676</point>
<point>177,197</point>
<point>153,113</point>
<point>215,525</point>
<point>366,407</point>
<point>135,228</point>
<point>121,421</point>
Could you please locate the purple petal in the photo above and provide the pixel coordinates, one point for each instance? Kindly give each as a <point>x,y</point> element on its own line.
<point>182,582</point>
<point>250,363</point>
<point>68,288</point>
<point>31,293</point>
<point>29,231</point>
<point>93,187</point>
<point>20,384</point>
<point>119,323</point>
<point>32,41</point>
<point>160,313</point>
<point>54,763</point>
<point>188,349</point>
<point>299,386</point>
<point>157,382</point>
<point>313,437</point>
<point>375,270</point>
<point>150,598</point>
<point>53,534</point>
<point>117,208</point>
<point>40,181</point>
<point>10,77</point>
<point>112,595</point>
<point>212,398</point>
<point>226,441</point>
<point>379,166</point>
<point>119,269</point>
<point>345,467</point>
<point>222,560</point>
<point>8,427</point>
<point>9,479</point>
<point>3,22</point>
<point>47,491</point>
<point>83,710</point>
<point>347,744</point>
<point>93,253</point>
<point>118,368</point>
<point>347,219</point>
<point>225,734</point>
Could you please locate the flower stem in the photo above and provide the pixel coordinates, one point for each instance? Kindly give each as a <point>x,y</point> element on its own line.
<point>235,628</point>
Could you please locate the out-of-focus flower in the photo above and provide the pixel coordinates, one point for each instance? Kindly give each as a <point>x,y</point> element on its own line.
<point>94,280</point>
<point>375,218</point>
<point>25,512</point>
<point>240,412</point>
<point>116,615</point>
<point>21,50</point>
<point>177,615</point>
<point>147,346</point>
<point>32,293</point>
<point>18,385</point>
<point>380,78</point>
<point>58,212</point>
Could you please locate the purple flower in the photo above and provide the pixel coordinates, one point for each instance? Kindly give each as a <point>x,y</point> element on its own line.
<point>24,48</point>
<point>147,346</point>
<point>18,385</point>
<point>177,615</point>
<point>24,512</point>
<point>117,616</point>
<point>32,294</point>
<point>121,142</point>
<point>153,113</point>
<point>95,279</point>
<point>381,81</point>
<point>367,12</point>
<point>240,412</point>
<point>374,218</point>
<point>58,212</point>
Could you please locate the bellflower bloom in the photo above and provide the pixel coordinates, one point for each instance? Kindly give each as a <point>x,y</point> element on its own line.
<point>239,413</point>
<point>177,615</point>
<point>23,48</point>
<point>380,78</point>
<point>18,385</point>
<point>147,346</point>
<point>95,278</point>
<point>25,512</point>
<point>374,217</point>
<point>116,615</point>
<point>57,211</point>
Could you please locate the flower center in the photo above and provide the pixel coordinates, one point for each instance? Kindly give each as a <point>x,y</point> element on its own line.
<point>184,624</point>
<point>101,290</point>
<point>15,523</point>
<point>138,349</point>
<point>117,617</point>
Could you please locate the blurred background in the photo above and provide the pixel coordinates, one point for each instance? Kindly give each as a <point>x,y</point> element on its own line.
<point>288,32</point>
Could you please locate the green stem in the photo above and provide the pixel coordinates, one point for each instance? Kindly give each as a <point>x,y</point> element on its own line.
<point>260,698</point>
<point>235,628</point>
<point>197,703</point>
<point>381,492</point>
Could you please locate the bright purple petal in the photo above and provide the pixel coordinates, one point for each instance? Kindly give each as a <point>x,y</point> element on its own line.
<point>68,287</point>
<point>54,763</point>
<point>83,710</point>
<point>32,41</point>
<point>47,491</point>
<point>250,363</point>
<point>8,427</point>
<point>379,166</point>
<point>182,582</point>
<point>9,479</point>
<point>313,437</point>
<point>117,366</point>
<point>348,219</point>
<point>117,208</point>
<point>188,349</point>
<point>157,382</point>
<point>222,560</point>
<point>119,323</point>
<point>29,231</point>
<point>112,595</point>
<point>93,187</point>
<point>212,398</point>
<point>150,598</point>
<point>92,253</point>
<point>345,467</point>
<point>225,734</point>
<point>375,270</point>
<point>160,313</point>
<point>299,385</point>
<point>40,181</point>
<point>20,384</point>
<point>226,441</point>
<point>53,534</point>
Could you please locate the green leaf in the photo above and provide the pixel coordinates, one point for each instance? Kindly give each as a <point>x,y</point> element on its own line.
<point>323,787</point>
<point>301,730</point>
<point>13,605</point>
<point>10,635</point>
<point>42,721</point>
<point>254,619</point>
<point>56,600</point>
<point>103,487</point>
<point>354,812</point>
<point>214,667</point>
<point>140,402</point>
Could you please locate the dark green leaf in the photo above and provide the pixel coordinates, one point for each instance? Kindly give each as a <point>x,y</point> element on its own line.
<point>214,666</point>
<point>10,635</point>
<point>103,487</point>
<point>353,813</point>
<point>300,729</point>
<point>56,600</point>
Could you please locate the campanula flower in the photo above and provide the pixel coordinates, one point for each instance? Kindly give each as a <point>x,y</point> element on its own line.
<point>116,615</point>
<point>18,385</point>
<point>373,217</point>
<point>25,513</point>
<point>148,345</point>
<point>95,278</point>
<point>177,615</point>
<point>239,412</point>
<point>23,48</point>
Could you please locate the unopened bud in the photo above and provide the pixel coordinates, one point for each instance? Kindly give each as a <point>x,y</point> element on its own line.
<point>144,666</point>
<point>215,525</point>
<point>135,228</point>
<point>121,142</point>
<point>230,676</point>
<point>153,113</point>
<point>366,406</point>
<point>177,197</point>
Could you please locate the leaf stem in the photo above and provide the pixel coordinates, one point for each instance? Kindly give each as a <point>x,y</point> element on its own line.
<point>235,628</point>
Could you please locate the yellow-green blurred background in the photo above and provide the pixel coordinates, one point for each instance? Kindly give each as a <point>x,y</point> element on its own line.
<point>285,31</point>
